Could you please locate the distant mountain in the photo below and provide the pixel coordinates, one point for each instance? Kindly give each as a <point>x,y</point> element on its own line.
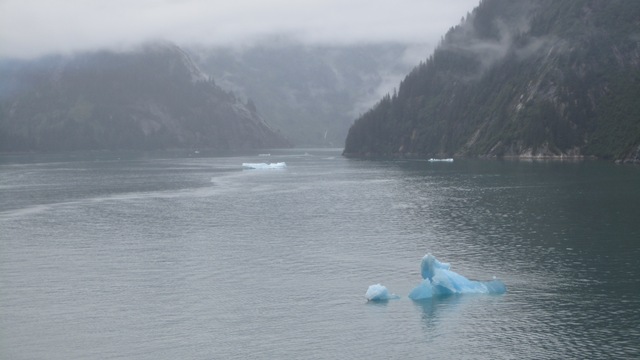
<point>312,93</point>
<point>542,78</point>
<point>151,98</point>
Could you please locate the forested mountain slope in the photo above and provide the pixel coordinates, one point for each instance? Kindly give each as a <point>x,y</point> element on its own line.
<point>150,98</point>
<point>519,78</point>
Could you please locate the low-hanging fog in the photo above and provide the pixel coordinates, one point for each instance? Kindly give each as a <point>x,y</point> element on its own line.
<point>31,28</point>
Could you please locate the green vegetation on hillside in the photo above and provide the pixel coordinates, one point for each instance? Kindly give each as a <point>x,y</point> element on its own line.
<point>518,78</point>
<point>153,98</point>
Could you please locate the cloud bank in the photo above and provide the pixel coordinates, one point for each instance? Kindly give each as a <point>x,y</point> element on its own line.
<point>31,28</point>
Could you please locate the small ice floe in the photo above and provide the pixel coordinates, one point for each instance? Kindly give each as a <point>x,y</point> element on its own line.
<point>260,166</point>
<point>379,292</point>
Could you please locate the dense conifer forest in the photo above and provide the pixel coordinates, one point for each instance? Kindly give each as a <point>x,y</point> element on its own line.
<point>151,98</point>
<point>518,78</point>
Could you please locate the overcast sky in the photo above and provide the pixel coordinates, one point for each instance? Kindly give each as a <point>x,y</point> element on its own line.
<point>30,28</point>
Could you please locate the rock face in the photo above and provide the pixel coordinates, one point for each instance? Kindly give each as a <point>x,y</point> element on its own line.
<point>150,98</point>
<point>519,79</point>
<point>632,157</point>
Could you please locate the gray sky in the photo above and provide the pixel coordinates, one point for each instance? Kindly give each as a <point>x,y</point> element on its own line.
<point>30,28</point>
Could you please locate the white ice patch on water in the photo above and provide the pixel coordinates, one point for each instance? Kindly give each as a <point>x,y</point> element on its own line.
<point>379,292</point>
<point>260,166</point>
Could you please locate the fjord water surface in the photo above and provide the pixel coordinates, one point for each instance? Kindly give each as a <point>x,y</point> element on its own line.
<point>188,256</point>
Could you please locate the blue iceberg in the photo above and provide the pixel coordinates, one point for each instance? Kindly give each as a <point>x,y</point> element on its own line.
<point>438,280</point>
<point>379,292</point>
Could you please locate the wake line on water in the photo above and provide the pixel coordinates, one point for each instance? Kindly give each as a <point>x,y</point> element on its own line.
<point>41,208</point>
<point>198,192</point>
<point>438,280</point>
<point>225,183</point>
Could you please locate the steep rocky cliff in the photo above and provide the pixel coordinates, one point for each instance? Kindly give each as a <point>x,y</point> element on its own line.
<point>150,98</point>
<point>522,79</point>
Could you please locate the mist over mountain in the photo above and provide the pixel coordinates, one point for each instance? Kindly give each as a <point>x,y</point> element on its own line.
<point>152,98</point>
<point>311,93</point>
<point>522,79</point>
<point>34,28</point>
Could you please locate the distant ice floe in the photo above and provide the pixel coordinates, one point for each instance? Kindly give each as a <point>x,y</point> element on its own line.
<point>439,280</point>
<point>260,166</point>
<point>440,160</point>
<point>379,292</point>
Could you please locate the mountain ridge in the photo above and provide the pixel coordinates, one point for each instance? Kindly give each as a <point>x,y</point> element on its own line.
<point>154,97</point>
<point>518,79</point>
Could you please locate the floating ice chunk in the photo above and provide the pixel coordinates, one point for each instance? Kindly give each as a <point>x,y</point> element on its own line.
<point>422,291</point>
<point>495,286</point>
<point>379,292</point>
<point>280,165</point>
<point>430,264</point>
<point>438,279</point>
<point>446,282</point>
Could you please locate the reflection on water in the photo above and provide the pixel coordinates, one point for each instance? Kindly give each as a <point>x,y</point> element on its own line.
<point>434,311</point>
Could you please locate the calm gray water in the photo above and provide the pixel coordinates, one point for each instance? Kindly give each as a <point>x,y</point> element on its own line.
<point>169,256</point>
